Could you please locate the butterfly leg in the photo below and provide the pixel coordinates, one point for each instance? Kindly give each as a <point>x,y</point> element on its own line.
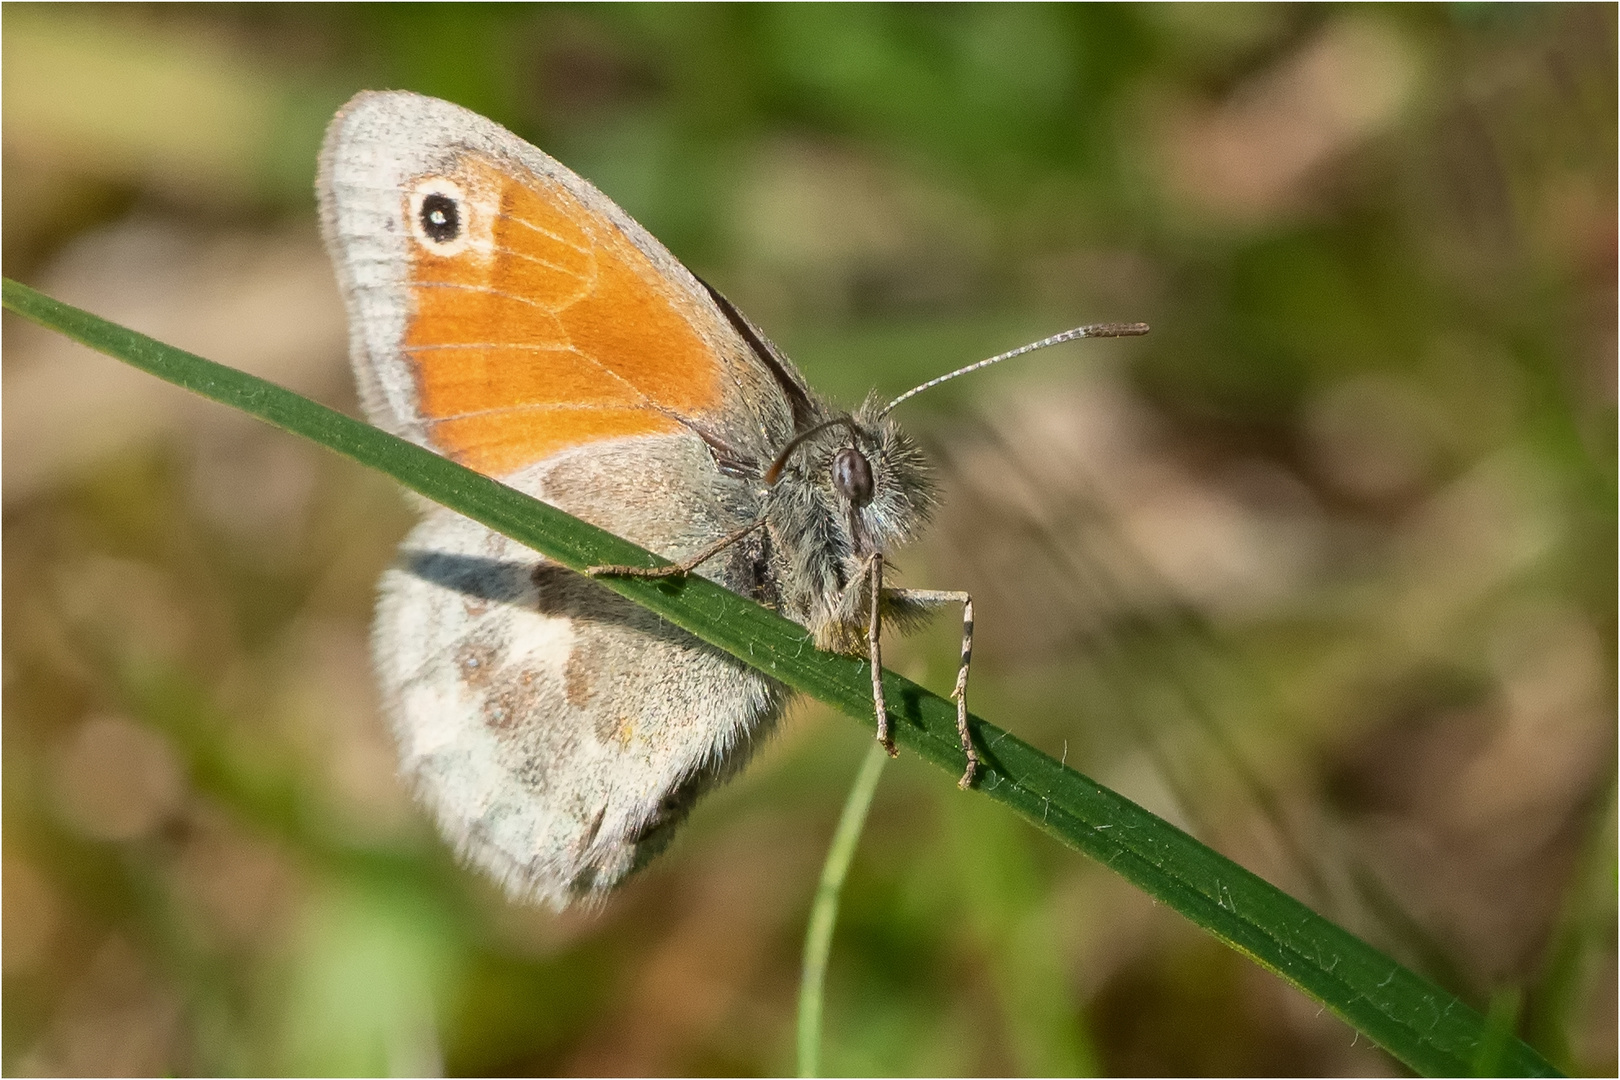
<point>936,596</point>
<point>685,566</point>
<point>874,633</point>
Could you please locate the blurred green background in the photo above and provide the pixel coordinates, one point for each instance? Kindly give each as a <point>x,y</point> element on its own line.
<point>1323,569</point>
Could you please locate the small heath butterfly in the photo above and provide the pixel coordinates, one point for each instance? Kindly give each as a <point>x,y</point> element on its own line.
<point>506,314</point>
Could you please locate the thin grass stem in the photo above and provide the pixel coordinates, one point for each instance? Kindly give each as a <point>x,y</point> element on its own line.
<point>824,911</point>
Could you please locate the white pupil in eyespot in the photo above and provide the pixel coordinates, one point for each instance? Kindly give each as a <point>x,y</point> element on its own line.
<point>437,217</point>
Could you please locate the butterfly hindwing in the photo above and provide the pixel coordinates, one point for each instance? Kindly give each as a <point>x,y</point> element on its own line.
<point>559,731</point>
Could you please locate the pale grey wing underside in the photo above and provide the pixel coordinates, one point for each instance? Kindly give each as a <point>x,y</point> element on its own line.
<point>558,731</point>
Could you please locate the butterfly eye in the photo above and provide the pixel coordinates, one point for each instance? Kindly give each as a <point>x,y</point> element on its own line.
<point>852,476</point>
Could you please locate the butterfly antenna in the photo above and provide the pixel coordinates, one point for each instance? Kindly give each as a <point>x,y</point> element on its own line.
<point>1095,331</point>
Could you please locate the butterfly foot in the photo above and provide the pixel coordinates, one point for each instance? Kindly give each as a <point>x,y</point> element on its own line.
<point>971,772</point>
<point>959,695</point>
<point>634,571</point>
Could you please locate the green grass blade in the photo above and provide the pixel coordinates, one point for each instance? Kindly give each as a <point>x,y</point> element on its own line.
<point>1429,1029</point>
<point>824,911</point>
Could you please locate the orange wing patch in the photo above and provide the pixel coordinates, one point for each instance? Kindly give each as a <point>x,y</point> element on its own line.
<point>537,325</point>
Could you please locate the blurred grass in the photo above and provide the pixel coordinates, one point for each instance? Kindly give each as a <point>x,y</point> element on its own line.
<point>1418,701</point>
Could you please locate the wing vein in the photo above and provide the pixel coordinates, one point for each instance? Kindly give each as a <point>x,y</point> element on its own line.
<point>632,387</point>
<point>488,345</point>
<point>553,406</point>
<point>527,224</point>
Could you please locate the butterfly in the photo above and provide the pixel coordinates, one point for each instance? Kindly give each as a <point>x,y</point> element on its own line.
<point>506,314</point>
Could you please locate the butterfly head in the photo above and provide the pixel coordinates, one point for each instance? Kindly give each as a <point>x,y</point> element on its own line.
<point>850,487</point>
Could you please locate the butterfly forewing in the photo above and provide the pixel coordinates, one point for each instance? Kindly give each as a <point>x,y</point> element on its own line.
<point>504,309</point>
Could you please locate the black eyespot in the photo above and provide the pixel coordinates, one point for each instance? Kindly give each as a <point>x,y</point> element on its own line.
<point>852,476</point>
<point>441,218</point>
